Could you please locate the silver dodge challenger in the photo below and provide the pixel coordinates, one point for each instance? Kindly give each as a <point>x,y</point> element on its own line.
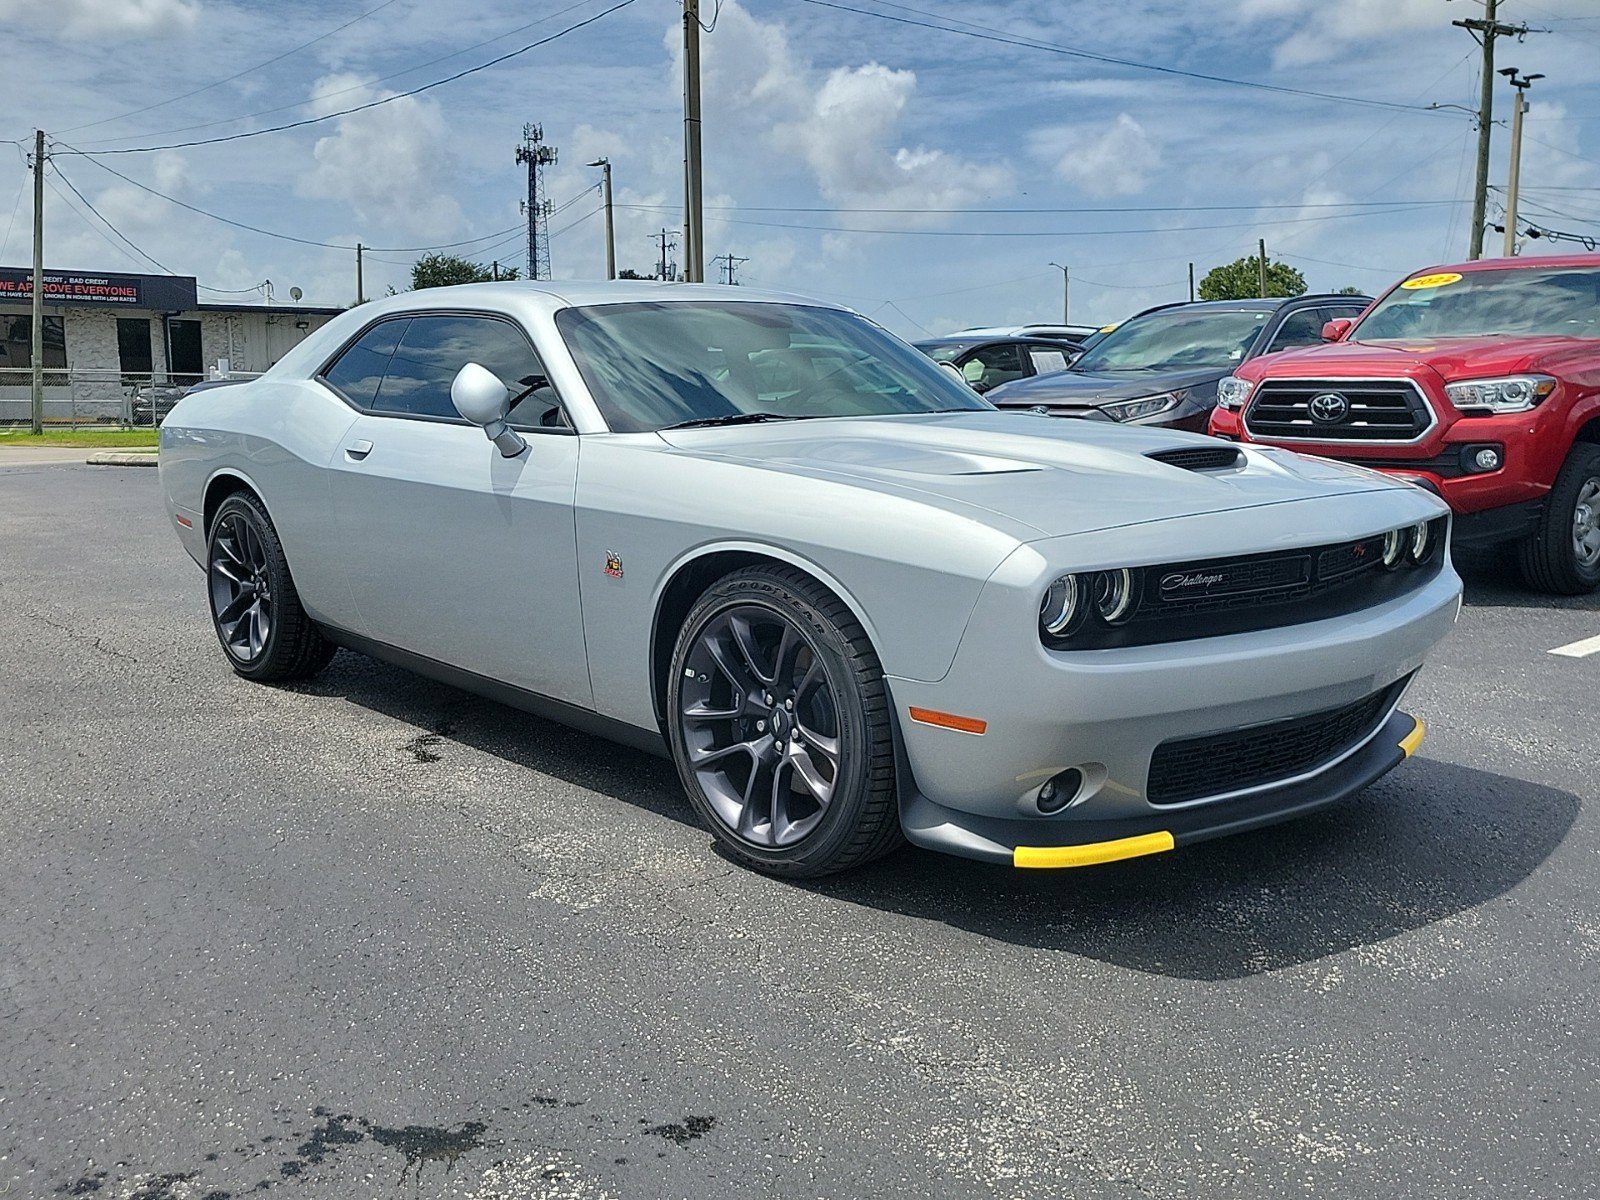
<point>854,603</point>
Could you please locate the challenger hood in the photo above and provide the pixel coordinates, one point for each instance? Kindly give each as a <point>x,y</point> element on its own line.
<point>1083,388</point>
<point>1039,475</point>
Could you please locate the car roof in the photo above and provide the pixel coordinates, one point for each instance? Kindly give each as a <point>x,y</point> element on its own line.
<point>969,340</point>
<point>1526,263</point>
<point>1244,305</point>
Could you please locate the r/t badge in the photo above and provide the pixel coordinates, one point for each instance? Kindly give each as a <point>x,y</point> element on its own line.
<point>613,564</point>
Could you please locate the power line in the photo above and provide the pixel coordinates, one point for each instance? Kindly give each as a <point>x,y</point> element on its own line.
<point>285,237</point>
<point>150,258</point>
<point>237,75</point>
<point>990,34</point>
<point>357,87</point>
<point>233,137</point>
<point>1160,208</point>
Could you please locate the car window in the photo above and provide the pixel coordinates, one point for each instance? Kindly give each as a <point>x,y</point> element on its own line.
<point>990,366</point>
<point>1303,328</point>
<point>1047,359</point>
<point>433,348</point>
<point>654,364</point>
<point>359,370</point>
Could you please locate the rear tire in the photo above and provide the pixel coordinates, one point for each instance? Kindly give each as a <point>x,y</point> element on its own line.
<point>260,623</point>
<point>1562,554</point>
<point>778,720</point>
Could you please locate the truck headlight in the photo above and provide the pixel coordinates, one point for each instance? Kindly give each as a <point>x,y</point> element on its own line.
<point>1144,406</point>
<point>1232,392</point>
<point>1510,394</point>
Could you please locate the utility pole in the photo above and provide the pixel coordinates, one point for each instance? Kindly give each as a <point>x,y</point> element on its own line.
<point>361,292</point>
<point>1262,244</point>
<point>494,270</point>
<point>537,156</point>
<point>730,263</point>
<point>1522,83</point>
<point>1485,31</point>
<point>1191,283</point>
<point>1066,305</point>
<point>611,232</point>
<point>693,218</point>
<point>668,240</point>
<point>39,159</point>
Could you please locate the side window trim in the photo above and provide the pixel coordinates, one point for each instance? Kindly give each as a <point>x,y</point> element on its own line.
<point>321,374</point>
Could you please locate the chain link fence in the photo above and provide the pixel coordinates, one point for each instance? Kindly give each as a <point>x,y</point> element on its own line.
<point>90,398</point>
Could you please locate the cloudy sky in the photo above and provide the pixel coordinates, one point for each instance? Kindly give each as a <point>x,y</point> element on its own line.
<point>878,162</point>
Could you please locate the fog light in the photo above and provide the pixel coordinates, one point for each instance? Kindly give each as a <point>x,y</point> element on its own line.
<point>1060,790</point>
<point>1482,458</point>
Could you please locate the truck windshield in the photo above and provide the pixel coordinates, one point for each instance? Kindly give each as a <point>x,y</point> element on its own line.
<point>1176,337</point>
<point>655,364</point>
<point>1518,300</point>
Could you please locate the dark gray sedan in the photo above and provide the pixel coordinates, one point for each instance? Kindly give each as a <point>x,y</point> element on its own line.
<point>1162,366</point>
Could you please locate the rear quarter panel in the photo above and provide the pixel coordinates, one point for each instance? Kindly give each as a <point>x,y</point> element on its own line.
<point>277,438</point>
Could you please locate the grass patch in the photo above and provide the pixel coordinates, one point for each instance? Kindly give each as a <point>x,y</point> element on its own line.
<point>90,439</point>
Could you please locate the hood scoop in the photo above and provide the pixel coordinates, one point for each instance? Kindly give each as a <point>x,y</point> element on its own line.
<point>1200,458</point>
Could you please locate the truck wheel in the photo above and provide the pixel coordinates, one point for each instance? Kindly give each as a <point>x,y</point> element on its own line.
<point>779,724</point>
<point>1562,555</point>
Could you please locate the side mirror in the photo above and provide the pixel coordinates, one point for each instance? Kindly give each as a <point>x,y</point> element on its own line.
<point>481,398</point>
<point>1335,329</point>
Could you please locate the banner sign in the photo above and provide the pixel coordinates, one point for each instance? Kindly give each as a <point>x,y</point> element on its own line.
<point>166,292</point>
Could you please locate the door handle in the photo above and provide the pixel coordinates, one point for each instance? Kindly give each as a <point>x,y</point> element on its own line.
<point>358,450</point>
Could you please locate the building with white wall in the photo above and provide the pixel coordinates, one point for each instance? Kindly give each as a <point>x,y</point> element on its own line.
<point>107,334</point>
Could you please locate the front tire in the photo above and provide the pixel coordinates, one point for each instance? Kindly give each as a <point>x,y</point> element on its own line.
<point>778,720</point>
<point>255,609</point>
<point>1562,554</point>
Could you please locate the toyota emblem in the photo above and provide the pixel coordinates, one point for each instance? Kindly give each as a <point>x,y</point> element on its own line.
<point>1329,408</point>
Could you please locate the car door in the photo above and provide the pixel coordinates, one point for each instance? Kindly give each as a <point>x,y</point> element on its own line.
<point>451,550</point>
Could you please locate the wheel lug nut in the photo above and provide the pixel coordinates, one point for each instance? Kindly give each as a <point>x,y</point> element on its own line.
<point>761,726</point>
<point>788,704</point>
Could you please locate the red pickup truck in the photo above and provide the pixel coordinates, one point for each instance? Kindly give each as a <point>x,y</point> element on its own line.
<point>1480,382</point>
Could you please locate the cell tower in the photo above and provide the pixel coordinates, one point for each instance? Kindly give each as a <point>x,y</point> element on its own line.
<point>536,207</point>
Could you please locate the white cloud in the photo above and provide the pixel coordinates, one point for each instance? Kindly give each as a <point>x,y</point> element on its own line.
<point>103,18</point>
<point>1117,162</point>
<point>391,164</point>
<point>1327,31</point>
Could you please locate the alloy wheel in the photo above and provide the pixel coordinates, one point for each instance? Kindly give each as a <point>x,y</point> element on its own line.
<point>241,587</point>
<point>760,723</point>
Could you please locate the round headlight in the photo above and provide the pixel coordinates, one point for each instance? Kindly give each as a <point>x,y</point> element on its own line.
<point>1518,392</point>
<point>1421,535</point>
<point>1059,609</point>
<point>1113,595</point>
<point>1394,547</point>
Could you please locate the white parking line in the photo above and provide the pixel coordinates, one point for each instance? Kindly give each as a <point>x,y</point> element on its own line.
<point>1579,649</point>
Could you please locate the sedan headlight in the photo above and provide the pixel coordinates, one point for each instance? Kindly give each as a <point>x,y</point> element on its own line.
<point>1144,406</point>
<point>1511,394</point>
<point>1232,392</point>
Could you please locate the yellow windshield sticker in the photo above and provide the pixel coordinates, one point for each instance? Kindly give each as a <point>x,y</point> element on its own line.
<point>1107,328</point>
<point>1432,281</point>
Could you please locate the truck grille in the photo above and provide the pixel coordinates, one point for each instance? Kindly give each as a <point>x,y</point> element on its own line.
<point>1369,410</point>
<point>1214,765</point>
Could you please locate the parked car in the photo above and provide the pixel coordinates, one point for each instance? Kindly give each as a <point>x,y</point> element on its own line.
<point>148,406</point>
<point>862,608</point>
<point>1481,382</point>
<point>1056,333</point>
<point>1162,366</point>
<point>987,362</point>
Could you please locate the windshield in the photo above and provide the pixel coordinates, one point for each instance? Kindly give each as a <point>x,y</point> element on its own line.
<point>1176,337</point>
<point>652,365</point>
<point>1525,301</point>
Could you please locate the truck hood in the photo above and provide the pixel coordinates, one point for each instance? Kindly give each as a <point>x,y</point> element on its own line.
<point>1450,358</point>
<point>1084,388</point>
<point>1028,474</point>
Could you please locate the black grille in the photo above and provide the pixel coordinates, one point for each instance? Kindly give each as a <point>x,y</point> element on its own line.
<point>1193,768</point>
<point>1199,458</point>
<point>1375,410</point>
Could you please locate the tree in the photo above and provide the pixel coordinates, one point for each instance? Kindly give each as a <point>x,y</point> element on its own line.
<point>1347,290</point>
<point>1241,280</point>
<point>442,270</point>
<point>630,273</point>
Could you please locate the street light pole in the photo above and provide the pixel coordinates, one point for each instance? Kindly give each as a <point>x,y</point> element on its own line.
<point>1066,305</point>
<point>1513,184</point>
<point>611,233</point>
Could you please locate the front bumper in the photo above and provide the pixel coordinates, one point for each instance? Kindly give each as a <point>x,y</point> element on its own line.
<point>1088,843</point>
<point>1106,713</point>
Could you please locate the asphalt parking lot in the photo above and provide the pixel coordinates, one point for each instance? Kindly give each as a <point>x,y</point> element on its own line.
<point>373,937</point>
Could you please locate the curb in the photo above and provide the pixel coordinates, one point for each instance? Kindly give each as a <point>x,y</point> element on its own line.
<point>111,458</point>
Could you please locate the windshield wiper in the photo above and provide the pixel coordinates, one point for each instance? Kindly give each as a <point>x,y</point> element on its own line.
<point>739,418</point>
